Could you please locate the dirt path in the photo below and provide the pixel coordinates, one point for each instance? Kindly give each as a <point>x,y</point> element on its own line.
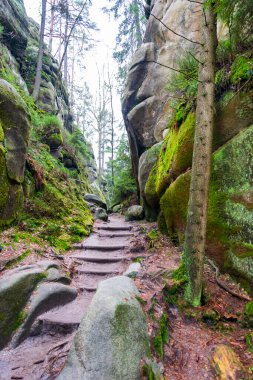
<point>102,255</point>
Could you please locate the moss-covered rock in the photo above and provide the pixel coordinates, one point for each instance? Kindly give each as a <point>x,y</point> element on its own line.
<point>175,158</point>
<point>230,219</point>
<point>14,136</point>
<point>15,122</point>
<point>226,364</point>
<point>14,293</point>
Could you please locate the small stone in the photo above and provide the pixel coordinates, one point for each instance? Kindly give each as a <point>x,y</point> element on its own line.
<point>101,214</point>
<point>226,364</point>
<point>133,270</point>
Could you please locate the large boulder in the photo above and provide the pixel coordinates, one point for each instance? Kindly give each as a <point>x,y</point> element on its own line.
<point>226,363</point>
<point>101,214</point>
<point>15,22</point>
<point>230,221</point>
<point>146,162</point>
<point>14,137</point>
<point>47,297</point>
<point>14,294</point>
<point>16,287</point>
<point>135,212</point>
<point>112,338</point>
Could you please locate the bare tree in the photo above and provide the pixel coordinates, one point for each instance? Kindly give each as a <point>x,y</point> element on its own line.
<point>36,88</point>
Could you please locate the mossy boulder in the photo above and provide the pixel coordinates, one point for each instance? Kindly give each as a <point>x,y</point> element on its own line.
<point>51,133</point>
<point>175,158</point>
<point>14,136</point>
<point>230,220</point>
<point>112,337</point>
<point>14,294</point>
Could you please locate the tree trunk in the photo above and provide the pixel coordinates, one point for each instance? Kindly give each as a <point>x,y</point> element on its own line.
<point>51,29</point>
<point>65,66</point>
<point>195,234</point>
<point>36,89</point>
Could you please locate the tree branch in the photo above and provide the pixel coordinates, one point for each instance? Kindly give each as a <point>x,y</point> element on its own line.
<point>168,67</point>
<point>173,31</point>
<point>70,33</point>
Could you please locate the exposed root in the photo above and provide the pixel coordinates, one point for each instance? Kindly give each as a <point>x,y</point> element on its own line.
<point>224,286</point>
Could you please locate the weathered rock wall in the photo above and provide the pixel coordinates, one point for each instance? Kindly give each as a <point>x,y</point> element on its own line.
<point>44,157</point>
<point>164,173</point>
<point>145,98</point>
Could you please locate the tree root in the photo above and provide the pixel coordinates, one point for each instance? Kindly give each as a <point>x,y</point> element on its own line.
<point>224,286</point>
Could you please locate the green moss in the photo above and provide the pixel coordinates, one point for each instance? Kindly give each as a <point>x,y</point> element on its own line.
<point>162,335</point>
<point>17,260</point>
<point>1,133</point>
<point>241,69</point>
<point>249,341</point>
<point>176,154</point>
<point>174,205</point>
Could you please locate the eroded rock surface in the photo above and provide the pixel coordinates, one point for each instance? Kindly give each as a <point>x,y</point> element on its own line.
<point>114,323</point>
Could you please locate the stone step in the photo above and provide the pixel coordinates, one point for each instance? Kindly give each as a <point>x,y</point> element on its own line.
<point>87,288</point>
<point>114,228</point>
<point>100,247</point>
<point>99,259</point>
<point>112,235</point>
<point>98,271</point>
<point>67,317</point>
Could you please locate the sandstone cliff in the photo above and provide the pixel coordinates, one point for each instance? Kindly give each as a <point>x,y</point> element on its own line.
<point>152,115</point>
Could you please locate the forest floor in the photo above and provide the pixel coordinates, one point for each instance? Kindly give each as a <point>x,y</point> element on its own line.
<point>183,339</point>
<point>184,345</point>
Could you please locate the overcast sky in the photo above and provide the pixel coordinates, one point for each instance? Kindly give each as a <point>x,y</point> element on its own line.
<point>103,49</point>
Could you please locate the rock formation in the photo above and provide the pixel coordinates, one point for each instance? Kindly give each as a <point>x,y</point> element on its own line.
<point>163,170</point>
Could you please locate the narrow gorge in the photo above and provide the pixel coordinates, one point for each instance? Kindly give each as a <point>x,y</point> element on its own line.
<point>94,200</point>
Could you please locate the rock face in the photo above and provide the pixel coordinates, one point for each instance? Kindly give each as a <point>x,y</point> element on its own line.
<point>114,323</point>
<point>14,136</point>
<point>145,99</point>
<point>230,222</point>
<point>150,117</point>
<point>14,20</point>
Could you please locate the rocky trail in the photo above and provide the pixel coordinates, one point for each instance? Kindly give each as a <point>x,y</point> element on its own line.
<point>102,255</point>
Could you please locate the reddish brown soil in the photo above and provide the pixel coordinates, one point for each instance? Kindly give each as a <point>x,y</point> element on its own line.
<point>191,341</point>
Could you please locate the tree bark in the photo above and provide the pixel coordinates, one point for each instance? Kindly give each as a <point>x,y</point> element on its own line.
<point>195,235</point>
<point>51,29</point>
<point>37,83</point>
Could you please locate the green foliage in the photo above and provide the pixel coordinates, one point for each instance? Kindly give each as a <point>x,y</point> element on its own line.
<point>123,184</point>
<point>184,86</point>
<point>131,31</point>
<point>1,30</point>
<point>238,16</point>
<point>162,335</point>
<point>241,69</point>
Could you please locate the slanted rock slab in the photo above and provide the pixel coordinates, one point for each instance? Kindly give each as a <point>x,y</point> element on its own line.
<point>92,198</point>
<point>47,297</point>
<point>112,338</point>
<point>15,290</point>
